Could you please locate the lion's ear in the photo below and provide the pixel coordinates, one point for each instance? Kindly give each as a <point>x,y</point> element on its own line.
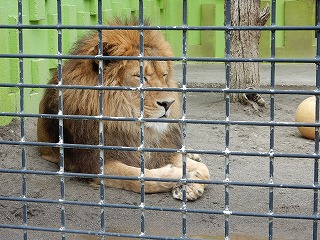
<point>107,48</point>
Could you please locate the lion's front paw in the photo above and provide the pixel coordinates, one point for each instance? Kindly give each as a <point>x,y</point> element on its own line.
<point>193,191</point>
<point>195,157</point>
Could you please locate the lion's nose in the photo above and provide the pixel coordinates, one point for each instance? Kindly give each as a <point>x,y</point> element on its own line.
<point>165,104</point>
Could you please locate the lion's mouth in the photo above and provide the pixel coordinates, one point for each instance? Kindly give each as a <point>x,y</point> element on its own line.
<point>164,116</point>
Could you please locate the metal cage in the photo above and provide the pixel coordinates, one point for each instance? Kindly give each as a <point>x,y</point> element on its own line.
<point>222,212</point>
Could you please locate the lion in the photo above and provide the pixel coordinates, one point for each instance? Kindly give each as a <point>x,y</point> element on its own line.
<point>121,103</point>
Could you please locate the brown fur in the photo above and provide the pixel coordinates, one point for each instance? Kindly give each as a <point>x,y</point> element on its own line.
<point>118,104</point>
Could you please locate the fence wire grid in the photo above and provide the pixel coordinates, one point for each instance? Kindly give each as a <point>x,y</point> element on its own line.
<point>185,209</point>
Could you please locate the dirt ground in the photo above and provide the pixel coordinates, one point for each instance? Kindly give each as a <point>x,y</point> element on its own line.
<point>169,224</point>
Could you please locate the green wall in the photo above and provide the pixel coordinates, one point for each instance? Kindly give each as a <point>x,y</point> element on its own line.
<point>162,12</point>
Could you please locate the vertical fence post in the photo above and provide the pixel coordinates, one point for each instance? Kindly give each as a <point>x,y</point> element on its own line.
<point>22,122</point>
<point>184,107</point>
<point>101,122</point>
<point>316,141</point>
<point>60,112</point>
<point>142,160</point>
<point>272,117</point>
<point>227,118</point>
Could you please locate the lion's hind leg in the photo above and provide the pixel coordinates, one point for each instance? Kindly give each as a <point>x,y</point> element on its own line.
<point>47,132</point>
<point>115,168</point>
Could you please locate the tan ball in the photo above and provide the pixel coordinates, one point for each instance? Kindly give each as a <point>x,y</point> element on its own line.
<point>306,113</point>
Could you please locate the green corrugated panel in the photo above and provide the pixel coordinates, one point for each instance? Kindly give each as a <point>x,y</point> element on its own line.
<point>287,41</point>
<point>162,12</point>
<point>69,36</point>
<point>304,39</point>
<point>38,75</point>
<point>52,39</point>
<point>13,49</point>
<point>172,16</point>
<point>7,95</point>
<point>36,10</point>
<point>204,43</point>
<point>93,7</point>
<point>7,104</point>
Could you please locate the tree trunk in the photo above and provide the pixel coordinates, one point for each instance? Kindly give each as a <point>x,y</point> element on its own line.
<point>245,44</point>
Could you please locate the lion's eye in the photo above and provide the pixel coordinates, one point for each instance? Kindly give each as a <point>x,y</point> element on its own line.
<point>165,75</point>
<point>138,76</point>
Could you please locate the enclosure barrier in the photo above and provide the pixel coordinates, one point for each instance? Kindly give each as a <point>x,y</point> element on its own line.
<point>21,114</point>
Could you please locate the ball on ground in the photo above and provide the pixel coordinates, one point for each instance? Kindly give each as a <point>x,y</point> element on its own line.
<point>306,113</point>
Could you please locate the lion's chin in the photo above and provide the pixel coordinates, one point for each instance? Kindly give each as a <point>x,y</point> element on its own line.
<point>159,127</point>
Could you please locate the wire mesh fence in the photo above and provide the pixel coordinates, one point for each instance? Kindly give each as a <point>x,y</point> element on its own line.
<point>262,204</point>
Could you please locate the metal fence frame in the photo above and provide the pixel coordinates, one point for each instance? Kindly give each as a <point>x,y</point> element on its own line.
<point>227,212</point>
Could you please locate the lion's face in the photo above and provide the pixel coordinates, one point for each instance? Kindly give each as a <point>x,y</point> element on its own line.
<point>156,104</point>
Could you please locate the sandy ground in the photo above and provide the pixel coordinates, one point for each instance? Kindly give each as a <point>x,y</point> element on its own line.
<point>169,224</point>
